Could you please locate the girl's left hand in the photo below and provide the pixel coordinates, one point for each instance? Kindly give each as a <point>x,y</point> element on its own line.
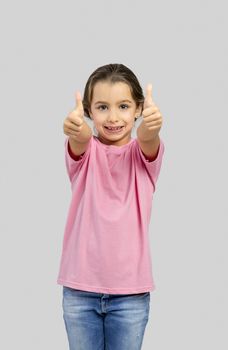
<point>152,116</point>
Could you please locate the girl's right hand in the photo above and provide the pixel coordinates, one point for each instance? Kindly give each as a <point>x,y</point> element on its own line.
<point>73,123</point>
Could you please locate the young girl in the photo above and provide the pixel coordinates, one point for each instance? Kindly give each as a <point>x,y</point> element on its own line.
<point>106,269</point>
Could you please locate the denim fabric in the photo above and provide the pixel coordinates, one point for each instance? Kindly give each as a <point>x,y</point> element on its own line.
<point>96,321</point>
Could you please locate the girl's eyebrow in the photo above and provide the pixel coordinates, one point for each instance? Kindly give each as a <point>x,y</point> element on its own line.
<point>117,102</point>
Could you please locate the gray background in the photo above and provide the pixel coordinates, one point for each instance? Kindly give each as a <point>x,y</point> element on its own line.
<point>48,51</point>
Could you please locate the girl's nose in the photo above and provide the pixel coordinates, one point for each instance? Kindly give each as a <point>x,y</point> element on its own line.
<point>112,116</point>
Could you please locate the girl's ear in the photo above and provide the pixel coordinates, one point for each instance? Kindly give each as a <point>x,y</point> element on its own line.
<point>90,114</point>
<point>138,111</point>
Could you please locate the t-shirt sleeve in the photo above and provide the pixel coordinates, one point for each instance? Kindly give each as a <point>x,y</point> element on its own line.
<point>74,163</point>
<point>152,167</point>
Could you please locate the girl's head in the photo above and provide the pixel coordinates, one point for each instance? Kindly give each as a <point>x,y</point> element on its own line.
<point>113,97</point>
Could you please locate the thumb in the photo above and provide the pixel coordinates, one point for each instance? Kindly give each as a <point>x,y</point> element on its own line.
<point>79,104</point>
<point>148,98</point>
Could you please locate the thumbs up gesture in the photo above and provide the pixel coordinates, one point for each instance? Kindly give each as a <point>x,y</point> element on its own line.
<point>73,123</point>
<point>152,118</point>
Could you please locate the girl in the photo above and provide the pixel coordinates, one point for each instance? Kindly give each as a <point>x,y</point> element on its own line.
<point>105,268</point>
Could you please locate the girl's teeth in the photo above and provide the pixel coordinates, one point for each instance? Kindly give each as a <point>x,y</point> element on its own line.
<point>115,128</point>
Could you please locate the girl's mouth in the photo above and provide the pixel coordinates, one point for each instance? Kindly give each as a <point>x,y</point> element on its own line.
<point>113,130</point>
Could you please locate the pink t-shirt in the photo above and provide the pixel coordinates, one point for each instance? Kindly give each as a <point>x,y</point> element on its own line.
<point>106,241</point>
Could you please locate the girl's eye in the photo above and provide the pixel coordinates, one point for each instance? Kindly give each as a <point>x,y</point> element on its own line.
<point>101,106</point>
<point>125,106</point>
<point>106,106</point>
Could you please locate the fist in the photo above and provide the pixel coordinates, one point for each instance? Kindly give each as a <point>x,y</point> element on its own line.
<point>152,117</point>
<point>73,123</point>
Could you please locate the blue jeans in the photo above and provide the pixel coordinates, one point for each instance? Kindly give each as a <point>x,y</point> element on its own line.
<point>96,321</point>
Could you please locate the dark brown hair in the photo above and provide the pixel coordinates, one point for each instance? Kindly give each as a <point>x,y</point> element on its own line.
<point>113,73</point>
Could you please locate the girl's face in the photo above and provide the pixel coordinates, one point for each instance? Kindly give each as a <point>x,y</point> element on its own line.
<point>113,111</point>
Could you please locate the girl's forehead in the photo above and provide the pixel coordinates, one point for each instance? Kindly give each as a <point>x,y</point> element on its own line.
<point>111,91</point>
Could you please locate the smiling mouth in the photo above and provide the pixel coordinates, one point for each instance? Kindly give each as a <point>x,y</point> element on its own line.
<point>112,130</point>
<point>114,127</point>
